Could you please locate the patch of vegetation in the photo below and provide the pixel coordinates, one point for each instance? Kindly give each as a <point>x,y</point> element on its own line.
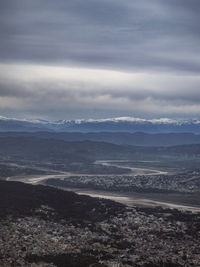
<point>67,260</point>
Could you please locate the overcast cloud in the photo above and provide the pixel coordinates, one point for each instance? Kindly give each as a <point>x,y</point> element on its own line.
<point>99,58</point>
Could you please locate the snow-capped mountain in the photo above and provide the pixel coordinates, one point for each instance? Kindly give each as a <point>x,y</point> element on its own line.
<point>120,124</point>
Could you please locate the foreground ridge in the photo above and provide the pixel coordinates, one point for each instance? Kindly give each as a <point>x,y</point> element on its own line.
<point>57,228</point>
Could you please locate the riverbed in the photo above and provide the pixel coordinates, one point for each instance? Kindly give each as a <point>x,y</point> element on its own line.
<point>129,199</point>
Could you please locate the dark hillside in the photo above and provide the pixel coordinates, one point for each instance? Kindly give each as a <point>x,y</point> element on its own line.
<point>18,199</point>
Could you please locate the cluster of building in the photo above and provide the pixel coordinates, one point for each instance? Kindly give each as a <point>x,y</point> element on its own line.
<point>132,238</point>
<point>174,182</point>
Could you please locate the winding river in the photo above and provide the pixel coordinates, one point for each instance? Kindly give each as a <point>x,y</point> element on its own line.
<point>132,199</point>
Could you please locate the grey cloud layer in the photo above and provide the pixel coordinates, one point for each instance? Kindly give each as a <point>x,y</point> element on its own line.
<point>90,93</point>
<point>118,57</point>
<point>122,34</point>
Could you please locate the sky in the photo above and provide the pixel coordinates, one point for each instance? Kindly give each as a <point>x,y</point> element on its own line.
<point>75,59</point>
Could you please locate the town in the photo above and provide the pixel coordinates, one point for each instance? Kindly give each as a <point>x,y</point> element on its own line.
<point>134,237</point>
<point>188,181</point>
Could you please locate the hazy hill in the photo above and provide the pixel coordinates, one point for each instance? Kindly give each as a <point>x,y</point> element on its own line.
<point>34,148</point>
<point>120,138</point>
<point>52,150</point>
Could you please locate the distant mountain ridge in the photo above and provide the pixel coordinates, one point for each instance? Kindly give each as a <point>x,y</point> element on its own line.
<point>34,149</point>
<point>120,124</point>
<point>119,138</point>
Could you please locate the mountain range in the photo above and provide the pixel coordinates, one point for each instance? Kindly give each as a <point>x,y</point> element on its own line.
<point>121,124</point>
